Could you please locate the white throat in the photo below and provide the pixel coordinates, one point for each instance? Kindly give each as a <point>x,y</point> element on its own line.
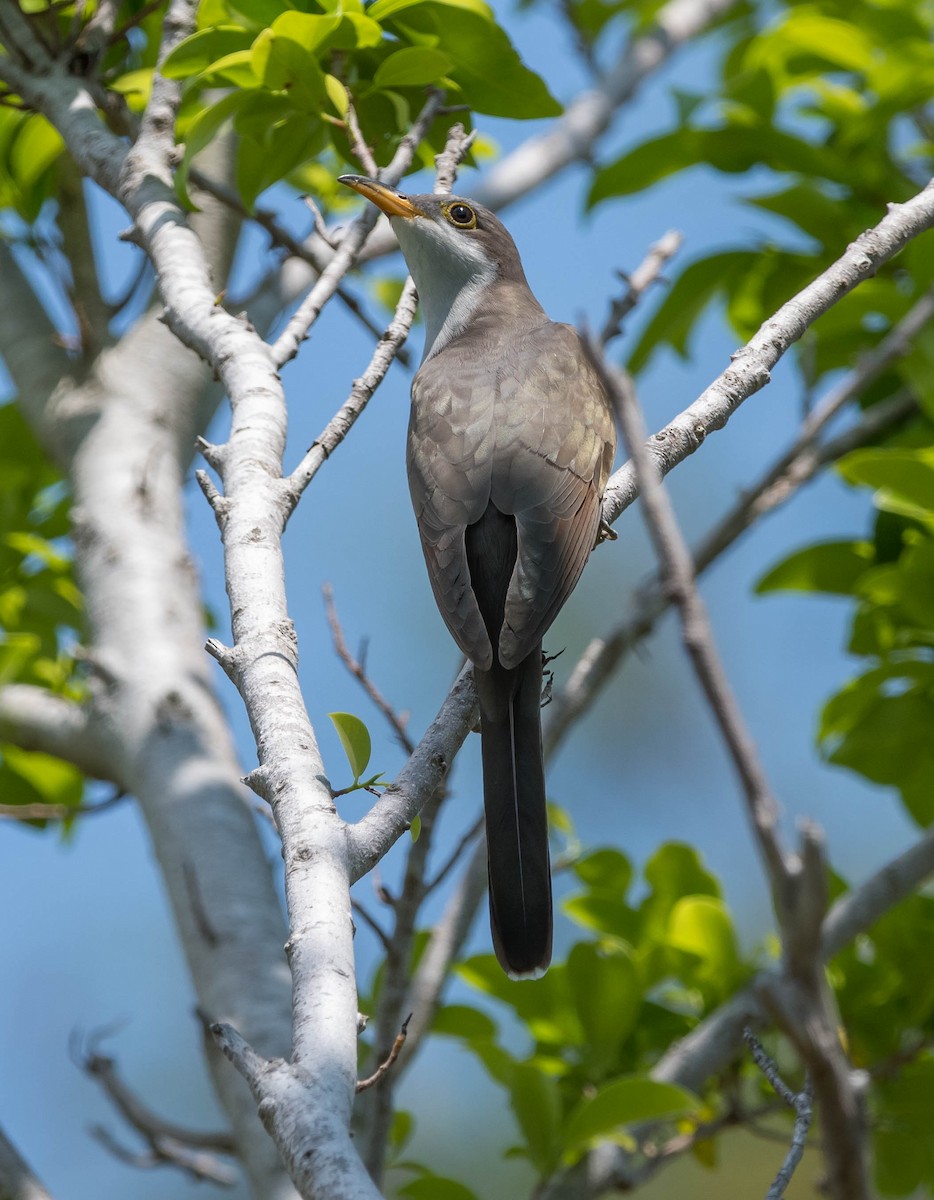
<point>451,274</point>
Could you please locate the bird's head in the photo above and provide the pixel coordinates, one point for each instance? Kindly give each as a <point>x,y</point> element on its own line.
<point>455,249</point>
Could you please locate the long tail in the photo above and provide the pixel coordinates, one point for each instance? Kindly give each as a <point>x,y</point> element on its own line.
<point>516,819</point>
<point>513,771</point>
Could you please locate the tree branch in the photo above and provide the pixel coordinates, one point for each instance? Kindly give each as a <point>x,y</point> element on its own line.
<point>752,364</point>
<point>17,1182</point>
<point>571,139</point>
<point>795,467</point>
<point>295,332</point>
<point>36,719</point>
<point>799,1102</point>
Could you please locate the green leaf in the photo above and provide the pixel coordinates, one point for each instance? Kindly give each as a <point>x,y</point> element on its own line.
<point>732,149</point>
<point>36,146</point>
<point>604,913</point>
<point>435,1187</point>
<point>673,871</point>
<point>904,478</point>
<point>607,994</point>
<point>544,1007</point>
<point>899,1159</point>
<point>284,64</point>
<point>201,50</point>
<point>698,285</point>
<point>830,567</point>
<point>382,10</point>
<point>630,1100</point>
<point>355,738</point>
<point>48,779</point>
<point>463,1021</point>
<point>701,926</point>
<point>489,73</point>
<point>415,828</point>
<point>236,68</point>
<point>606,869</point>
<point>202,130</point>
<point>411,67</point>
<point>537,1105</point>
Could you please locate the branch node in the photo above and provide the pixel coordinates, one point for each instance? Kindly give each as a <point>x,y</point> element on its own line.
<point>257,781</point>
<point>385,1066</point>
<point>227,656</point>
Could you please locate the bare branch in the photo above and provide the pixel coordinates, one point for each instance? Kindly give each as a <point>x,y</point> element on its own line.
<point>649,271</point>
<point>36,719</point>
<point>800,1102</point>
<point>361,393</point>
<point>280,236</point>
<point>17,1181</point>
<point>752,364</point>
<point>386,1066</point>
<point>295,332</point>
<point>356,668</point>
<point>675,560</point>
<point>423,774</point>
<point>803,454</point>
<point>168,1144</point>
<point>446,942</point>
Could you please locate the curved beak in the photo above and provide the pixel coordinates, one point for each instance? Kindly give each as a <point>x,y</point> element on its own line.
<point>391,202</point>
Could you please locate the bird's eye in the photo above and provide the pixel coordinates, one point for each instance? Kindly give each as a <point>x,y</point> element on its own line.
<point>461,215</point>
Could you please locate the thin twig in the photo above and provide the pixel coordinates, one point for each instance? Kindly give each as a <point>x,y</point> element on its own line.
<point>358,145</point>
<point>37,811</point>
<point>457,145</point>
<point>357,669</point>
<point>801,1104</point>
<point>368,919</point>
<point>649,271</point>
<point>454,857</point>
<point>677,568</point>
<point>280,236</point>
<point>295,332</point>
<point>386,1066</point>
<point>168,1144</point>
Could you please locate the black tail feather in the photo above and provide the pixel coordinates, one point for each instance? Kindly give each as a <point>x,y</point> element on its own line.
<point>516,818</point>
<point>513,771</point>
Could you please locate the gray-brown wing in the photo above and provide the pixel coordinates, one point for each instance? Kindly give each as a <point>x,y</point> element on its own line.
<point>556,471</point>
<point>449,458</point>
<point>529,427</point>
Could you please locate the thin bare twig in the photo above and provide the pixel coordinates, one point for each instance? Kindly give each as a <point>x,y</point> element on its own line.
<point>677,568</point>
<point>368,919</point>
<point>396,720</point>
<point>358,144</point>
<point>453,858</point>
<point>168,1144</point>
<point>37,811</point>
<point>799,997</point>
<point>339,426</point>
<point>386,1065</point>
<point>296,330</point>
<point>280,236</point>
<point>801,1103</point>
<point>649,271</point>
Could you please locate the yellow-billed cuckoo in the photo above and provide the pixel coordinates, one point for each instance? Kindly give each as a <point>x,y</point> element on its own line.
<point>511,441</point>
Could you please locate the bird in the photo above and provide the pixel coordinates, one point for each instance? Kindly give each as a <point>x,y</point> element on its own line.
<point>511,441</point>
